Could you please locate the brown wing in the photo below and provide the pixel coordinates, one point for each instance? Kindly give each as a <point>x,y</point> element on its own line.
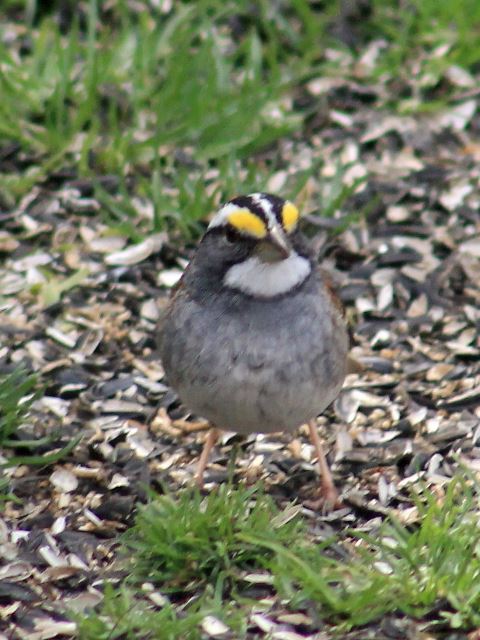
<point>330,288</point>
<point>353,365</point>
<point>180,284</point>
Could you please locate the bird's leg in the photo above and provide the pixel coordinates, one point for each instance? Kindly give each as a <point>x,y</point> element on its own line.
<point>212,437</point>
<point>329,494</point>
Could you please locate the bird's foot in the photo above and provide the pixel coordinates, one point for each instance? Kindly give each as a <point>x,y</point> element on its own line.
<point>328,500</point>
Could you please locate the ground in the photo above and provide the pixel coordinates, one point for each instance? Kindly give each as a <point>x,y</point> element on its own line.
<point>123,129</point>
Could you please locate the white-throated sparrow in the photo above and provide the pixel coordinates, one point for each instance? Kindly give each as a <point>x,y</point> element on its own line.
<point>253,338</point>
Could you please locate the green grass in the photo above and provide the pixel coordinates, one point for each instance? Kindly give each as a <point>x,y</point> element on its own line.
<point>422,40</point>
<point>431,568</point>
<point>189,107</point>
<point>123,615</point>
<point>154,92</point>
<point>129,614</point>
<point>191,549</point>
<point>192,541</point>
<point>413,27</point>
<point>180,203</point>
<point>196,551</point>
<point>18,392</point>
<point>186,109</point>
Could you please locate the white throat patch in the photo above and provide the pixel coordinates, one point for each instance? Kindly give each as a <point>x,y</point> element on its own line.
<point>268,279</point>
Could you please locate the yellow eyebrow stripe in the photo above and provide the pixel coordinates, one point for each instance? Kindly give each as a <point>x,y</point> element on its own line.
<point>290,216</point>
<point>247,222</point>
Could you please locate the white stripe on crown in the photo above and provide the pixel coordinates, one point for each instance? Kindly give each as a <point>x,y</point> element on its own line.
<point>267,208</point>
<point>221,216</point>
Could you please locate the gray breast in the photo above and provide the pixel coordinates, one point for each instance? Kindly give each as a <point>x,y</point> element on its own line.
<point>256,366</point>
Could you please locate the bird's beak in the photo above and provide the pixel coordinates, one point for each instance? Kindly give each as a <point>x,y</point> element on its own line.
<point>275,247</point>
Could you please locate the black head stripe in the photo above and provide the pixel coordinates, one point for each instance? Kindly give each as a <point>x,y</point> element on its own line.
<point>277,205</point>
<point>254,204</point>
<point>247,202</point>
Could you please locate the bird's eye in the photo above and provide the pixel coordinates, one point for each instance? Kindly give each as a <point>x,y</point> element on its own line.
<point>231,236</point>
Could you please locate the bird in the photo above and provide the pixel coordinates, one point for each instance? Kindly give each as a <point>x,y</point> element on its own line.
<point>253,338</point>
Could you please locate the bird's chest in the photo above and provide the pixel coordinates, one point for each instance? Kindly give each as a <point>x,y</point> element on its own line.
<point>261,368</point>
<point>255,343</point>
